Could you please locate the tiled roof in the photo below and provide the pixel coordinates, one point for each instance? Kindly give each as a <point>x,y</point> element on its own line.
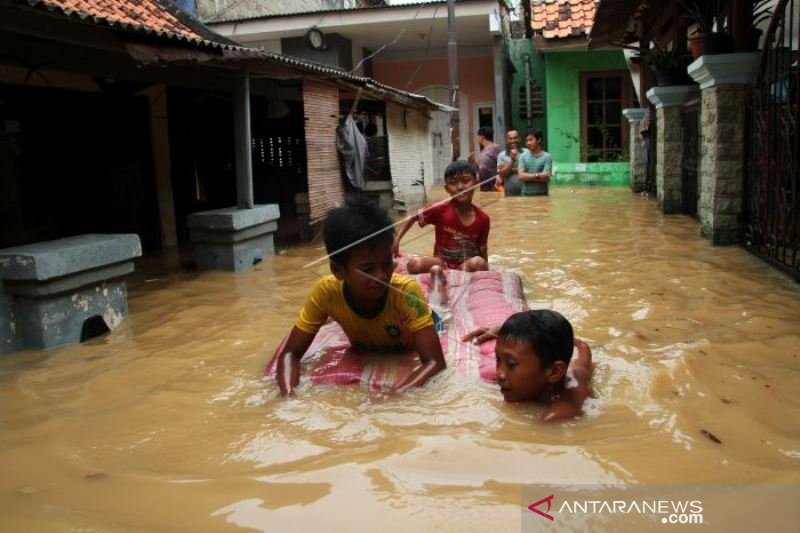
<point>558,19</point>
<point>160,18</point>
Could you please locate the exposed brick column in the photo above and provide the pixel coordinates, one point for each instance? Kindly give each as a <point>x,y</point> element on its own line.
<point>636,148</point>
<point>724,82</point>
<point>669,156</point>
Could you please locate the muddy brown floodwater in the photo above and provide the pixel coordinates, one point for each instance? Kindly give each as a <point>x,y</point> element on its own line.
<point>165,424</point>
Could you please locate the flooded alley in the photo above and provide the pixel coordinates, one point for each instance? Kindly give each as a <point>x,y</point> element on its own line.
<point>166,424</point>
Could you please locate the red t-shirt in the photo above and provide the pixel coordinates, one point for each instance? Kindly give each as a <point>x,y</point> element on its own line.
<point>455,242</point>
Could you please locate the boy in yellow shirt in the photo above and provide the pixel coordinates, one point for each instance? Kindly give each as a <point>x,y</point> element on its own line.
<point>378,309</point>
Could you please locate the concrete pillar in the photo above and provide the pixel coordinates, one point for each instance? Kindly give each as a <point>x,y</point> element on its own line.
<point>724,83</point>
<point>636,148</point>
<point>668,102</point>
<point>499,62</point>
<point>159,134</point>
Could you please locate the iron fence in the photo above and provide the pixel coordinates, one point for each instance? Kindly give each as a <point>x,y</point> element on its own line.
<point>771,188</point>
<point>690,156</point>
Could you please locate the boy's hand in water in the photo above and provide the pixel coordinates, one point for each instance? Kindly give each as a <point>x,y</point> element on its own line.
<point>481,334</point>
<point>287,373</point>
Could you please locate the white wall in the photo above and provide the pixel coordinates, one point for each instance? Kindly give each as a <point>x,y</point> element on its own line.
<point>410,153</point>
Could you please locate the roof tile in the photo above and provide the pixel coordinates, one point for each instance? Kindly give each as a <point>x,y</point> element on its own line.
<point>150,16</point>
<point>556,19</point>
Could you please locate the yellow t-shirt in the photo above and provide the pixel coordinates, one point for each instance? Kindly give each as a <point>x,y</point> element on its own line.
<point>404,313</point>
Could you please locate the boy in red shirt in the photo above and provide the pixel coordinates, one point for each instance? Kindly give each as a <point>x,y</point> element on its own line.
<point>462,230</point>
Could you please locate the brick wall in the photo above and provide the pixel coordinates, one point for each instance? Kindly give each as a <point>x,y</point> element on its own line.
<point>410,153</point>
<point>321,115</point>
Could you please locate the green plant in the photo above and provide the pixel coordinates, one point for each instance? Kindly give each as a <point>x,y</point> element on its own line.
<point>710,15</point>
<point>662,58</point>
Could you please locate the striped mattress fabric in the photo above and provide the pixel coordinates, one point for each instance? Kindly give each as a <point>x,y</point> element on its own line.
<point>475,299</point>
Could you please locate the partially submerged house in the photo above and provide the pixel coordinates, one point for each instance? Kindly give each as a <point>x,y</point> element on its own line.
<point>400,45</point>
<point>573,94</point>
<point>724,122</point>
<point>130,117</point>
<point>131,128</point>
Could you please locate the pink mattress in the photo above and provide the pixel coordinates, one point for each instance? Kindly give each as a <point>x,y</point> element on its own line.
<point>476,299</point>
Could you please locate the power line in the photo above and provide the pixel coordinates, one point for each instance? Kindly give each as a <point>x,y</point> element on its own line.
<point>394,41</point>
<point>427,49</point>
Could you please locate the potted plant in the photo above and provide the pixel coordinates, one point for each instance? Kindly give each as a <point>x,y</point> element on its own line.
<point>711,17</point>
<point>667,64</point>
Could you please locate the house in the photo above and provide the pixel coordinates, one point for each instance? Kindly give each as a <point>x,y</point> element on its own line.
<point>725,136</point>
<point>400,45</point>
<point>130,117</point>
<point>573,94</point>
<point>168,83</point>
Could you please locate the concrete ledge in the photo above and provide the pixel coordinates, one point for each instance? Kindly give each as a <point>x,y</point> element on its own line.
<point>68,283</point>
<point>52,259</point>
<point>53,293</point>
<point>232,218</point>
<point>9,337</point>
<point>228,237</point>
<point>725,69</point>
<point>233,239</point>
<point>378,186</point>
<point>670,96</point>
<point>634,114</point>
<point>53,322</point>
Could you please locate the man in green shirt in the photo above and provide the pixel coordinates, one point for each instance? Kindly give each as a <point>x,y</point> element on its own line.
<point>535,166</point>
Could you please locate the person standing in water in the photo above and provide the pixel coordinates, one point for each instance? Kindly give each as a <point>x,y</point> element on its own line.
<point>535,167</point>
<point>508,165</point>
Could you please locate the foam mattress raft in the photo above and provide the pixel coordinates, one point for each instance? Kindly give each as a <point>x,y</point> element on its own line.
<point>475,299</point>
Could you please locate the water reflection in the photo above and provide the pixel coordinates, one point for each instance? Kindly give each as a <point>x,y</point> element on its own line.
<point>167,420</point>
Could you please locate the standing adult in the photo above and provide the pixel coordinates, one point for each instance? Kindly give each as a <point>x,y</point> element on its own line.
<point>536,166</point>
<point>487,160</point>
<point>508,164</point>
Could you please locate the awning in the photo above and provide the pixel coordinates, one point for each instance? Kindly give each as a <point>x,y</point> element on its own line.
<point>614,23</point>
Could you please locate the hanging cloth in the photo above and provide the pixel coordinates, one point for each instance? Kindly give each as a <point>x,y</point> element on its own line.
<point>353,147</point>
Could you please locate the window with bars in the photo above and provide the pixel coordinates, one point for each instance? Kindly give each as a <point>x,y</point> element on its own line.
<point>604,131</point>
<point>277,151</point>
<point>537,101</point>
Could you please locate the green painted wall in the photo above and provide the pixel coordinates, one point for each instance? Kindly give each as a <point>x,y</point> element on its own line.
<point>608,174</point>
<point>517,48</point>
<point>562,75</point>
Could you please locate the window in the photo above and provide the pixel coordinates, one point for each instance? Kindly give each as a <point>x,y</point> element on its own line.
<point>604,131</point>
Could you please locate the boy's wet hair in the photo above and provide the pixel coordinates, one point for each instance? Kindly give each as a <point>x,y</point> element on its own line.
<point>459,167</point>
<point>547,332</point>
<point>360,221</point>
<point>536,133</point>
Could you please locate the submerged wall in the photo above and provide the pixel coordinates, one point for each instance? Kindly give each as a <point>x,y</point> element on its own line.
<point>607,174</point>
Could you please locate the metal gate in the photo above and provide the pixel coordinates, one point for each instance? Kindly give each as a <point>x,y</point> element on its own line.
<point>772,191</point>
<point>690,156</point>
<point>650,149</point>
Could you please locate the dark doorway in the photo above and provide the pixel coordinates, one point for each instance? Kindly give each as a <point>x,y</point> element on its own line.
<point>75,162</point>
<point>201,153</point>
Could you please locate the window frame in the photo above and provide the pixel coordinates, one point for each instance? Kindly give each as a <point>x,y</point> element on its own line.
<point>626,101</point>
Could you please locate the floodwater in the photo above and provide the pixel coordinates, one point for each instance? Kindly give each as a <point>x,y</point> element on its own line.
<point>165,423</point>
